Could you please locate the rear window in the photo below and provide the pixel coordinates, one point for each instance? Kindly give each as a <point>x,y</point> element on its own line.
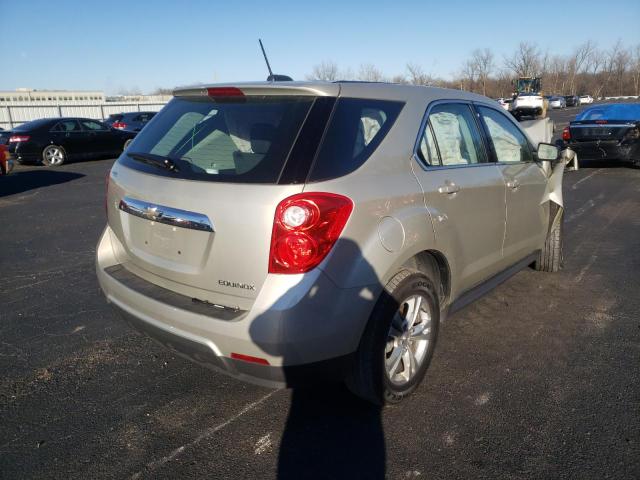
<point>611,112</point>
<point>32,125</point>
<point>116,117</point>
<point>246,140</point>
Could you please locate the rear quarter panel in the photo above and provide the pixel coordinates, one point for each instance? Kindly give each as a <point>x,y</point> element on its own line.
<point>390,223</point>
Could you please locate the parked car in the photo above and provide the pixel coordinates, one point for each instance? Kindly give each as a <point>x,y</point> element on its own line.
<point>504,102</point>
<point>572,100</point>
<point>322,230</point>
<point>53,141</point>
<point>132,121</point>
<point>557,102</point>
<point>6,162</point>
<point>610,131</point>
<point>586,99</point>
<point>528,105</point>
<point>4,136</point>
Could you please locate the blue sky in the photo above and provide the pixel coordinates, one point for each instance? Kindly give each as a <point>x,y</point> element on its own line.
<point>113,45</point>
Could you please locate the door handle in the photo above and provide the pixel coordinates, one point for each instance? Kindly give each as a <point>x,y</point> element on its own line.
<point>449,188</point>
<point>513,184</point>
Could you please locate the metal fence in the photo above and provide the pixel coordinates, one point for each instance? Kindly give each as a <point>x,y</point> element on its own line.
<point>13,115</point>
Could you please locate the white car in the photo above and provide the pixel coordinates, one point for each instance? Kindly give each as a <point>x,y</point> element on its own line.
<point>585,99</point>
<point>527,105</point>
<point>504,103</point>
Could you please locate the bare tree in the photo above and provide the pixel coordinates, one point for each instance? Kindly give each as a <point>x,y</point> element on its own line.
<point>326,70</point>
<point>577,62</point>
<point>368,72</point>
<point>635,69</point>
<point>417,76</point>
<point>124,91</point>
<point>468,76</point>
<point>587,69</point>
<point>401,79</point>
<point>525,61</point>
<point>162,91</point>
<point>621,63</point>
<point>482,64</point>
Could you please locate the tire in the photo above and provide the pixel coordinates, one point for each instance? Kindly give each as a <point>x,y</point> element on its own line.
<point>53,156</point>
<point>127,143</point>
<point>373,376</point>
<point>550,258</point>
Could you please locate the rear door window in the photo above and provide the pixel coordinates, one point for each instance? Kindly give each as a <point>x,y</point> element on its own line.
<point>66,126</point>
<point>92,125</point>
<point>356,129</point>
<point>244,139</point>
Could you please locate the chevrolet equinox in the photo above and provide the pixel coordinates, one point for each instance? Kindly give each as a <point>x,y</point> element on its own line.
<point>291,232</point>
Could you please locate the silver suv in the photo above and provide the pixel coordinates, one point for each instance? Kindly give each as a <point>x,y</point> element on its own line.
<point>293,232</point>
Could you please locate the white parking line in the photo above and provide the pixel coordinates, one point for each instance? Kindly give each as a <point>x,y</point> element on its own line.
<point>152,466</point>
<point>575,185</point>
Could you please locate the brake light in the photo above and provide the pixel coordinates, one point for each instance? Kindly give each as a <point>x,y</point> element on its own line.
<point>19,138</point>
<point>119,125</point>
<point>566,134</point>
<point>305,228</point>
<point>601,122</point>
<point>224,92</point>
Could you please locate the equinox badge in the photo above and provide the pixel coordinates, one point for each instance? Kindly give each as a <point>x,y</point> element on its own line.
<point>244,286</point>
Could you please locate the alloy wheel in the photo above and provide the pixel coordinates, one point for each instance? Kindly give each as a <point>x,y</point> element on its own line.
<point>408,339</point>
<point>54,156</point>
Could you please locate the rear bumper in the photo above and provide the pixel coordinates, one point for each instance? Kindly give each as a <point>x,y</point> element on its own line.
<point>304,326</point>
<point>606,151</point>
<point>27,152</point>
<point>527,110</point>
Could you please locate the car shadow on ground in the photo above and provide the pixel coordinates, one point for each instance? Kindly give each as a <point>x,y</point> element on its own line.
<point>23,181</point>
<point>329,432</point>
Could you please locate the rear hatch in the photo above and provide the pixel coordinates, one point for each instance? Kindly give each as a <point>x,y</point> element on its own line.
<point>193,198</point>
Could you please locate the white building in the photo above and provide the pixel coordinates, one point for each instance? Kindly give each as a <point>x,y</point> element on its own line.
<point>28,96</point>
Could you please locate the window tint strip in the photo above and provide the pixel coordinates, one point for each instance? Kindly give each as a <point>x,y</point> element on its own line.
<point>306,146</point>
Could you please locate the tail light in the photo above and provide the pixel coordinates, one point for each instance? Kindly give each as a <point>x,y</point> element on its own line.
<point>305,228</point>
<point>19,138</point>
<point>119,125</point>
<point>566,134</point>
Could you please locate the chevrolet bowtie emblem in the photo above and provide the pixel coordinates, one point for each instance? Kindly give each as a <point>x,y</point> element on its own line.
<point>152,213</point>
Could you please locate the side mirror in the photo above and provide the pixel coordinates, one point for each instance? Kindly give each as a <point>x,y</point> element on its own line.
<point>547,152</point>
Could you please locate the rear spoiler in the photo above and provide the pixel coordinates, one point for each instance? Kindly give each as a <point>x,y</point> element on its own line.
<point>262,89</point>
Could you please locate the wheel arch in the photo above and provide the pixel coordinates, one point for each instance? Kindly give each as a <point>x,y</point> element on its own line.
<point>434,263</point>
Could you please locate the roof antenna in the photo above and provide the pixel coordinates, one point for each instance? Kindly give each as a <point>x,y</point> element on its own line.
<point>272,77</point>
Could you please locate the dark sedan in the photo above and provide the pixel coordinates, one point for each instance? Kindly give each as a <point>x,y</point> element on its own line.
<point>572,100</point>
<point>53,141</point>
<point>606,132</point>
<point>132,121</point>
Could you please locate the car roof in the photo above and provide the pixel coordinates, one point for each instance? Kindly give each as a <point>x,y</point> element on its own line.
<point>377,90</point>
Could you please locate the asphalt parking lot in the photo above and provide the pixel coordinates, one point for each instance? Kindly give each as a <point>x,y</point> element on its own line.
<point>538,379</point>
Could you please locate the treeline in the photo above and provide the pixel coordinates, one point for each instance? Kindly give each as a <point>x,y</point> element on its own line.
<point>586,70</point>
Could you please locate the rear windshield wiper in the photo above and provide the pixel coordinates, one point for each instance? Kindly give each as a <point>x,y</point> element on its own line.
<point>155,160</point>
